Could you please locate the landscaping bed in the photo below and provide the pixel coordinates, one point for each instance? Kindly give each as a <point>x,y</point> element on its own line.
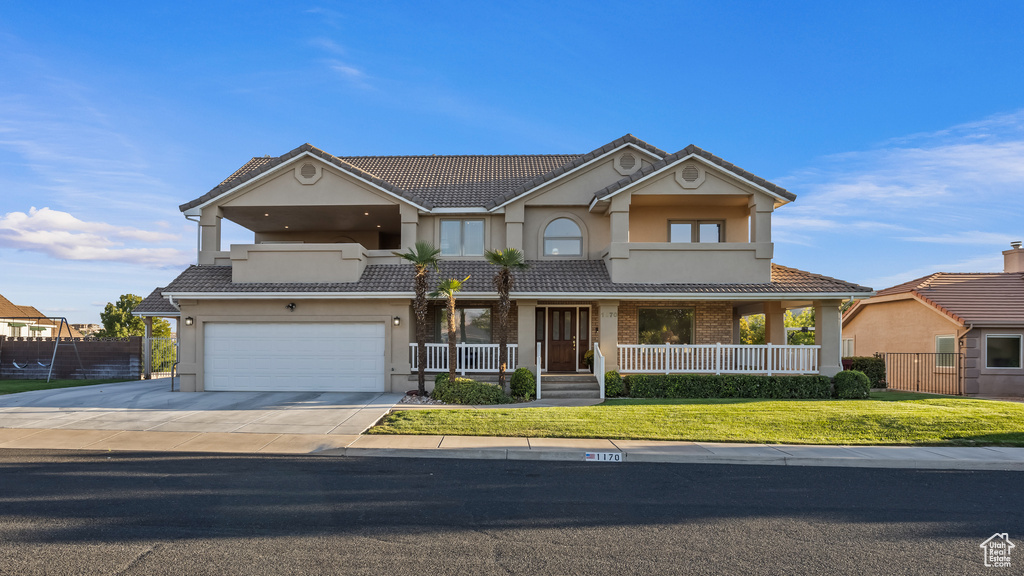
<point>887,418</point>
<point>15,386</point>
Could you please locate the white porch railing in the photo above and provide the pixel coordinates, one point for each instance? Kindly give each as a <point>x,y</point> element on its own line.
<point>599,367</point>
<point>538,372</point>
<point>718,359</point>
<point>469,358</point>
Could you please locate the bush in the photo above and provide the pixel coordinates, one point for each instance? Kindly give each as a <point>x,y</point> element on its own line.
<point>726,386</point>
<point>588,359</point>
<point>467,391</point>
<point>523,384</point>
<point>872,366</point>
<point>613,385</point>
<point>852,384</point>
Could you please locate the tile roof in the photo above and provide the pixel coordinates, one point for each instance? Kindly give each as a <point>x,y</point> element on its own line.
<point>691,149</point>
<point>542,277</point>
<point>982,298</point>
<point>31,313</point>
<point>155,305</point>
<point>467,180</point>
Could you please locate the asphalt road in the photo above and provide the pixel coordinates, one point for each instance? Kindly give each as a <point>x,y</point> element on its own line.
<point>128,513</point>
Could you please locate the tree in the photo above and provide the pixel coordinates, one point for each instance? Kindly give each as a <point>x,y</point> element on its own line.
<point>447,289</point>
<point>423,255</point>
<point>119,322</point>
<point>752,329</point>
<point>508,259</point>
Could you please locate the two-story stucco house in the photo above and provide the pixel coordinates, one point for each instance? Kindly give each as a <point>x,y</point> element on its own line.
<point>647,258</point>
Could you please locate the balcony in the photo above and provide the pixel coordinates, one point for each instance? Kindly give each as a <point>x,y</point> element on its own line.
<point>300,262</point>
<point>688,263</point>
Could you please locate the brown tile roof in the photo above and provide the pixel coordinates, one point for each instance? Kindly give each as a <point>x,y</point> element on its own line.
<point>572,165</point>
<point>543,277</point>
<point>155,305</point>
<point>980,299</point>
<point>31,313</point>
<point>691,149</point>
<point>472,181</point>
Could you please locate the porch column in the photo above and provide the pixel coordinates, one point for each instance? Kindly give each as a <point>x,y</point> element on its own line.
<point>526,337</point>
<point>827,326</point>
<point>209,234</point>
<point>410,220</point>
<point>737,337</point>
<point>608,333</point>
<point>774,323</point>
<point>147,349</point>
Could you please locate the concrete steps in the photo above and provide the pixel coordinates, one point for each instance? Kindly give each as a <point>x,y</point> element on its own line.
<point>558,386</point>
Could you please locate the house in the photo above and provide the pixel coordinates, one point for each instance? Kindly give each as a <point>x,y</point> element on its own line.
<point>648,258</point>
<point>973,319</point>
<point>28,322</point>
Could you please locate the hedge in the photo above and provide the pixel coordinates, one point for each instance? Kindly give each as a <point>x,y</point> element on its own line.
<point>872,366</point>
<point>467,391</point>
<point>523,384</point>
<point>852,384</point>
<point>613,385</point>
<point>726,386</point>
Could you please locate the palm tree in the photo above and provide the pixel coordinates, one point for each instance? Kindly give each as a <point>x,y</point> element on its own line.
<point>447,288</point>
<point>508,259</point>
<point>424,256</point>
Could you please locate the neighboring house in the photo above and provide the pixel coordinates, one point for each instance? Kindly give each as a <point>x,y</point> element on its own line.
<point>646,257</point>
<point>980,316</point>
<point>88,329</point>
<point>28,322</point>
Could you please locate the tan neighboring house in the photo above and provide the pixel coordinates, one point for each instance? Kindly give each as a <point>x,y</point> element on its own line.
<point>980,316</point>
<point>646,257</point>
<point>28,322</point>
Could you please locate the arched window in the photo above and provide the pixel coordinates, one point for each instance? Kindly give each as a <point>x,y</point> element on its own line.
<point>562,237</point>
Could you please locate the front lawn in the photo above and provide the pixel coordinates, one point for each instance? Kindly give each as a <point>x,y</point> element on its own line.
<point>15,386</point>
<point>887,418</point>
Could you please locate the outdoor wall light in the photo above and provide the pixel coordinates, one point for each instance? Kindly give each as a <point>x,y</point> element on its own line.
<point>396,321</point>
<point>189,320</point>
<point>290,306</point>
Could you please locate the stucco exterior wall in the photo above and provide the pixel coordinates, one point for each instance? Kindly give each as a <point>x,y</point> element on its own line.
<point>594,228</point>
<point>896,326</point>
<point>981,380</point>
<point>651,223</point>
<point>335,188</point>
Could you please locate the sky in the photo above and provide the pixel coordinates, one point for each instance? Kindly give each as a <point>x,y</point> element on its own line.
<point>898,125</point>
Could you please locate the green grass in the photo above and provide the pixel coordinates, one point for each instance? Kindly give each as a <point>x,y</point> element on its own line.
<point>891,418</point>
<point>15,386</point>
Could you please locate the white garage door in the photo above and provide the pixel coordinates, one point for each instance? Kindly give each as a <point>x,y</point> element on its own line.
<point>336,357</point>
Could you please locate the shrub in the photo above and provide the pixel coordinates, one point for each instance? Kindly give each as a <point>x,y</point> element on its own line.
<point>523,384</point>
<point>613,385</point>
<point>872,366</point>
<point>852,384</point>
<point>588,359</point>
<point>727,386</point>
<point>467,391</point>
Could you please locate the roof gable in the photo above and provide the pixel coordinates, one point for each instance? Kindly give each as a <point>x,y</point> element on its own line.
<point>966,298</point>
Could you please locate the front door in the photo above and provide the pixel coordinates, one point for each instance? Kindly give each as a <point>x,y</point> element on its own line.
<point>561,339</point>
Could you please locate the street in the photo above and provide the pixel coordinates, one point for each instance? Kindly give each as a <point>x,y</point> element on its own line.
<point>153,513</point>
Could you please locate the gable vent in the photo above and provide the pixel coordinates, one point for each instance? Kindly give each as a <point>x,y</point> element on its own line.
<point>690,173</point>
<point>308,170</point>
<point>627,161</point>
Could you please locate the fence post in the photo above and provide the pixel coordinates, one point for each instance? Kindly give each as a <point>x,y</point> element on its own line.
<point>768,364</point>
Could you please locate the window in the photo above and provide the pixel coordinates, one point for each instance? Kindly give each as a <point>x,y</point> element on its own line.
<point>665,325</point>
<point>562,237</point>
<point>696,231</point>
<point>472,325</point>
<point>1003,351</point>
<point>462,238</point>
<point>847,347</point>
<point>945,349</point>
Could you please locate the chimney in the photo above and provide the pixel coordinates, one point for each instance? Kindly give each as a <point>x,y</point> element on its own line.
<point>1013,259</point>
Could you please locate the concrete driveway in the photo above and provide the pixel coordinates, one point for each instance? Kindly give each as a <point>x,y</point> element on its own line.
<point>149,405</point>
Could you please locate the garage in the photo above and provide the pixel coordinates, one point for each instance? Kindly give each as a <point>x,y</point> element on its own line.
<point>313,357</point>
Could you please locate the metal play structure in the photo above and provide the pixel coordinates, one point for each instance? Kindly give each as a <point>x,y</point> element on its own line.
<point>60,324</point>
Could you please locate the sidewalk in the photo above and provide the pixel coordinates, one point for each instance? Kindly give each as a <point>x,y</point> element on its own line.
<point>494,448</point>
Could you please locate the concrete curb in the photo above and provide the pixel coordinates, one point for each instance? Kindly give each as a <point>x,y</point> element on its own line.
<point>498,448</point>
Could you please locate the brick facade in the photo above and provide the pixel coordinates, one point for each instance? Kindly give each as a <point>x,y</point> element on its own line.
<point>437,307</point>
<point>712,320</point>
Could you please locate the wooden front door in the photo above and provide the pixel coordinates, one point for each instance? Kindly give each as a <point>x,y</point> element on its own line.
<point>561,339</point>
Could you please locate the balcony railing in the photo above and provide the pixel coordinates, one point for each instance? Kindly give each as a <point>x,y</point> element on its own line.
<point>481,358</point>
<point>718,359</point>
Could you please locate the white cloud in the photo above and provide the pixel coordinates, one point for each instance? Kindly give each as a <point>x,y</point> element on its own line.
<point>63,236</point>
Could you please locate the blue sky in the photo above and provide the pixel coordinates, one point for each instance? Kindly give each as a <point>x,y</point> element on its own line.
<point>899,125</point>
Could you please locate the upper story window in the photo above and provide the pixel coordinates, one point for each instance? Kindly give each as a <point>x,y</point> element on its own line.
<point>696,231</point>
<point>562,237</point>
<point>462,237</point>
